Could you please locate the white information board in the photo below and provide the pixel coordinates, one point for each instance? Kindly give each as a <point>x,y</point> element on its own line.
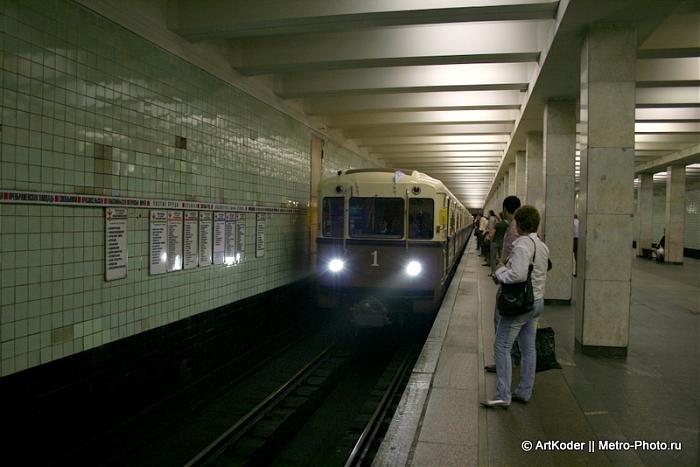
<point>115,243</point>
<point>190,252</point>
<point>219,237</point>
<point>240,236</point>
<point>174,240</point>
<point>230,238</point>
<point>205,238</point>
<point>259,235</point>
<point>159,242</point>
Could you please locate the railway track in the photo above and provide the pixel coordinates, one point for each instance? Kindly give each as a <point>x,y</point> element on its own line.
<point>246,441</point>
<point>316,400</point>
<point>265,433</point>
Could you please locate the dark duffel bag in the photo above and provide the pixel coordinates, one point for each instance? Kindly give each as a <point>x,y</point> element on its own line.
<point>546,353</point>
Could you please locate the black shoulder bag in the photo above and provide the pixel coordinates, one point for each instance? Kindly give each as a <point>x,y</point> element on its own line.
<point>518,299</point>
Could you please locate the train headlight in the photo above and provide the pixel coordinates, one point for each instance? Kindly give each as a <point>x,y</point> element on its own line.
<point>336,265</point>
<point>413,268</point>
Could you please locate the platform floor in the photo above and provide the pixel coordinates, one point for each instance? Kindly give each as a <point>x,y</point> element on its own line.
<point>651,395</point>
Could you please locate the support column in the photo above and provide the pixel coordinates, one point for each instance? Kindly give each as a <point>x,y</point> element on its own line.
<point>315,180</point>
<point>520,180</point>
<point>675,214</point>
<point>606,191</point>
<point>511,179</point>
<point>645,211</point>
<point>504,183</point>
<point>559,153</point>
<point>534,193</point>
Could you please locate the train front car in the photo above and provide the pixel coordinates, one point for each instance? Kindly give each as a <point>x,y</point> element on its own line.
<point>385,244</point>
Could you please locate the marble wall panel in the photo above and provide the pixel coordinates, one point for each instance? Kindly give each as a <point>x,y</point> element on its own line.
<point>611,114</point>
<point>611,51</point>
<point>520,180</point>
<point>608,182</point>
<point>559,197</point>
<point>608,239</point>
<point>606,321</point>
<point>675,213</point>
<point>560,154</point>
<point>645,208</point>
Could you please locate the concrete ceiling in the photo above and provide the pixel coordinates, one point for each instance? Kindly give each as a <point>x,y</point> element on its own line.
<point>450,87</point>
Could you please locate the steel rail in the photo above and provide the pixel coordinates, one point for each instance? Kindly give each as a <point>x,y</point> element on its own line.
<point>359,451</point>
<point>242,426</point>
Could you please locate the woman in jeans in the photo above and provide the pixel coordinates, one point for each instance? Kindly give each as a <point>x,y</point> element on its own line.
<point>521,327</point>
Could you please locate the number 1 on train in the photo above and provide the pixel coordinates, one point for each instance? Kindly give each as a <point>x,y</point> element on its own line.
<point>374,258</point>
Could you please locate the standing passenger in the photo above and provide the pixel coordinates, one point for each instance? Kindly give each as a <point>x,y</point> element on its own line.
<point>527,249</point>
<point>510,205</point>
<point>497,235</point>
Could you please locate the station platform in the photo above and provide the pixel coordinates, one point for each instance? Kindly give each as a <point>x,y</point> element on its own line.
<point>651,395</point>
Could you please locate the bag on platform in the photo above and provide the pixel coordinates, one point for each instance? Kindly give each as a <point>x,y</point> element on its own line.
<point>517,299</point>
<point>546,354</point>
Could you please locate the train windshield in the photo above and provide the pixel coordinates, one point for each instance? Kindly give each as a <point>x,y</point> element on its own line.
<point>333,217</point>
<point>420,218</point>
<point>376,217</point>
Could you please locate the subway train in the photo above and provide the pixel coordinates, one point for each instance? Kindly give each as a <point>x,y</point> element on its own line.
<point>388,243</point>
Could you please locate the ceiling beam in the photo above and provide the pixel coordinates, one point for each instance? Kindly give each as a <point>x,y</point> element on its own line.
<point>423,148</point>
<point>422,129</point>
<point>209,19</point>
<point>419,101</point>
<point>466,77</point>
<point>442,44</point>
<point>455,139</point>
<point>687,156</point>
<point>428,117</point>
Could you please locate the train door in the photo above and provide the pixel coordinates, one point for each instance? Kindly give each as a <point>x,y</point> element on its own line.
<point>446,259</point>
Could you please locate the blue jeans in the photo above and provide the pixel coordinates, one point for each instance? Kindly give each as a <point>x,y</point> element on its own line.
<point>524,329</point>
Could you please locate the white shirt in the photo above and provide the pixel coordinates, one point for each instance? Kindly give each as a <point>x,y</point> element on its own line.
<point>516,269</point>
<point>576,223</point>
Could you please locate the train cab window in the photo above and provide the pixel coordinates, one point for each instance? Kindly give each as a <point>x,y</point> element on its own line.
<point>420,218</point>
<point>376,217</point>
<point>333,217</point>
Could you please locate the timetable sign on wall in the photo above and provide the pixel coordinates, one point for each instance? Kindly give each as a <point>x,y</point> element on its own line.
<point>259,235</point>
<point>116,255</point>
<point>159,242</point>
<point>190,253</point>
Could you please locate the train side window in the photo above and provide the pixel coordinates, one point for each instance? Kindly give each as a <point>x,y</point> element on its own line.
<point>376,217</point>
<point>420,218</point>
<point>333,217</point>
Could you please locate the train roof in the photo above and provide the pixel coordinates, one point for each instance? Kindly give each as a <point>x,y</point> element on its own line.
<point>383,175</point>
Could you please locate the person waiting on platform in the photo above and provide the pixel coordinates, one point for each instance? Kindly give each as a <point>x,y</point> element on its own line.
<point>527,249</point>
<point>660,248</point>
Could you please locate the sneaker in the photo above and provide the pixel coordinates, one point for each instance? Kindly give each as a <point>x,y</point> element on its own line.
<point>495,403</point>
<point>490,368</point>
<point>517,398</point>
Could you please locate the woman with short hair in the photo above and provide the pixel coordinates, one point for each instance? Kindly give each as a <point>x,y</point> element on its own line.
<point>527,249</point>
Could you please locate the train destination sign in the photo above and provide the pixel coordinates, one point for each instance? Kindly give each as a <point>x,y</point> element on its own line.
<point>159,242</point>
<point>116,254</point>
<point>190,231</point>
<point>205,238</point>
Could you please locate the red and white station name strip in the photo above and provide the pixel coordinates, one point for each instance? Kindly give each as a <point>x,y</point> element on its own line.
<point>31,197</point>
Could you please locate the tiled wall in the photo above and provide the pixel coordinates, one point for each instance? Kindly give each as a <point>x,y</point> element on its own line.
<point>336,158</point>
<point>692,211</point>
<point>88,107</point>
